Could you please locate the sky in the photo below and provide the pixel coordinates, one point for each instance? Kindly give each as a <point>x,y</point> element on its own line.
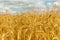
<point>26,5</point>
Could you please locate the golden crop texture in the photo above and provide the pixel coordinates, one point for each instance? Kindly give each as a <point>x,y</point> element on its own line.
<point>30,26</point>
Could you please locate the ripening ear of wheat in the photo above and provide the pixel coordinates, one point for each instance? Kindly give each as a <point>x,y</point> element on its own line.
<point>30,26</point>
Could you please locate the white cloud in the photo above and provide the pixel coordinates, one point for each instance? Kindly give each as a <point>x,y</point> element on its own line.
<point>40,4</point>
<point>49,4</point>
<point>17,0</point>
<point>57,3</point>
<point>30,5</point>
<point>24,0</point>
<point>1,6</point>
<point>1,0</point>
<point>35,3</point>
<point>6,8</point>
<point>57,0</point>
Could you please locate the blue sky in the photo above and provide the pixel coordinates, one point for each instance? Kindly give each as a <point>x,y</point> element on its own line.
<point>24,5</point>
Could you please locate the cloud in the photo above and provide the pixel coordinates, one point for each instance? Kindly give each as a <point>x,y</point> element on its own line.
<point>24,4</point>
<point>57,3</point>
<point>1,0</point>
<point>18,0</point>
<point>1,5</point>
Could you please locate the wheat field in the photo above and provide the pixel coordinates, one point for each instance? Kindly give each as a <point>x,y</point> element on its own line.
<point>30,26</point>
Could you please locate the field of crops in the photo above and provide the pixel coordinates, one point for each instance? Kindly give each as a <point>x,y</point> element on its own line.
<point>30,26</point>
